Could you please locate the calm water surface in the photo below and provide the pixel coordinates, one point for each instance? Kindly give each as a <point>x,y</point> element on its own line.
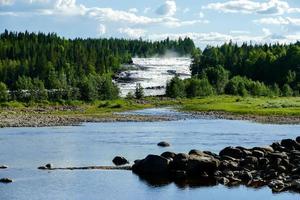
<point>24,149</point>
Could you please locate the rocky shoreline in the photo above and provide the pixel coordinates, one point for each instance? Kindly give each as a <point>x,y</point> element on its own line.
<point>44,118</point>
<point>276,166</point>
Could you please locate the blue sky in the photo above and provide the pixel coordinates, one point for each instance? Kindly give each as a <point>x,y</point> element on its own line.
<point>207,22</point>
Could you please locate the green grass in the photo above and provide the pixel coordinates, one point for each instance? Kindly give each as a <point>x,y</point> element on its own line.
<point>279,106</point>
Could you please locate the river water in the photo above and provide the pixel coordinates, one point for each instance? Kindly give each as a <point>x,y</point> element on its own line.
<point>153,74</point>
<point>24,149</point>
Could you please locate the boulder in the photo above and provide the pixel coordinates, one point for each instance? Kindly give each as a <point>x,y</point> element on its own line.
<point>6,180</point>
<point>275,155</point>
<point>197,165</point>
<point>258,153</point>
<point>152,165</point>
<point>49,166</point>
<point>163,144</point>
<point>232,152</point>
<point>3,167</point>
<point>290,144</point>
<point>277,185</point>
<point>245,176</point>
<point>119,160</point>
<point>277,147</point>
<point>180,161</point>
<point>223,180</point>
<point>42,167</point>
<point>298,139</point>
<point>296,185</point>
<point>168,154</point>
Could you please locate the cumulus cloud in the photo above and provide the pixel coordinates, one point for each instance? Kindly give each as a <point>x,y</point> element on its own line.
<point>132,32</point>
<point>133,10</point>
<point>279,21</point>
<point>216,38</point>
<point>273,7</point>
<point>167,9</point>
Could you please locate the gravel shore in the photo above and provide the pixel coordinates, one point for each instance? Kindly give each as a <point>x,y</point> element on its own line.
<point>33,117</point>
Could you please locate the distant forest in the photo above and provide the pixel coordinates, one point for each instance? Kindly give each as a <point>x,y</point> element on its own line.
<point>71,68</point>
<point>38,66</point>
<point>257,70</point>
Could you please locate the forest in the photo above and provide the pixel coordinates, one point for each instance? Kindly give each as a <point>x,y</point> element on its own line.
<point>38,66</point>
<point>256,70</point>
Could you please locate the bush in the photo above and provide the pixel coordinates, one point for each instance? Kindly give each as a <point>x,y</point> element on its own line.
<point>175,88</point>
<point>3,92</point>
<point>198,87</point>
<point>287,90</point>
<point>139,91</point>
<point>217,76</point>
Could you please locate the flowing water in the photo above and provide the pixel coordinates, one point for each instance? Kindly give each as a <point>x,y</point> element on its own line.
<point>153,74</point>
<point>24,149</point>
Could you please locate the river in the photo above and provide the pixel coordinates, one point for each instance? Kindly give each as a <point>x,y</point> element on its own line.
<point>24,149</point>
<point>153,74</point>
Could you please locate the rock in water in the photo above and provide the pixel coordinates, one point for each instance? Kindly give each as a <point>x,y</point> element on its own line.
<point>6,180</point>
<point>49,166</point>
<point>119,160</point>
<point>3,167</point>
<point>298,139</point>
<point>163,144</point>
<point>232,152</point>
<point>198,165</point>
<point>290,144</point>
<point>152,165</point>
<point>168,154</point>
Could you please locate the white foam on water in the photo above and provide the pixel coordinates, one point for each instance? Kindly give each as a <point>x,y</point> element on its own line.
<point>155,74</point>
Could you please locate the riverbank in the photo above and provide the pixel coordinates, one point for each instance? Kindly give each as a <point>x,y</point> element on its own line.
<point>265,110</point>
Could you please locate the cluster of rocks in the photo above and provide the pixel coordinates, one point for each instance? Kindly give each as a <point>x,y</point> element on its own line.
<point>5,180</point>
<point>48,166</point>
<point>276,166</point>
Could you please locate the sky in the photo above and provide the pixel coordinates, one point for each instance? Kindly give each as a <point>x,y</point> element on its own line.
<point>206,22</point>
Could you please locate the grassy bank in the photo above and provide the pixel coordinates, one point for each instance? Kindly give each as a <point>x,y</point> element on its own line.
<point>262,109</point>
<point>279,106</point>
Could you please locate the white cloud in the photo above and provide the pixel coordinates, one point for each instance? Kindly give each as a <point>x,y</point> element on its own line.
<point>6,2</point>
<point>108,14</point>
<point>101,29</point>
<point>239,32</point>
<point>174,23</point>
<point>279,21</point>
<point>133,10</point>
<point>275,7</point>
<point>132,33</point>
<point>167,9</point>
<point>215,38</point>
<point>266,31</point>
<point>201,14</point>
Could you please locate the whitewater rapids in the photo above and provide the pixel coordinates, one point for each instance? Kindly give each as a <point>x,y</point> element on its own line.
<point>153,74</point>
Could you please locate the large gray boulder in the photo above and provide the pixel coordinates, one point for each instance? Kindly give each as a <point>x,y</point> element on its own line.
<point>152,165</point>
<point>199,165</point>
